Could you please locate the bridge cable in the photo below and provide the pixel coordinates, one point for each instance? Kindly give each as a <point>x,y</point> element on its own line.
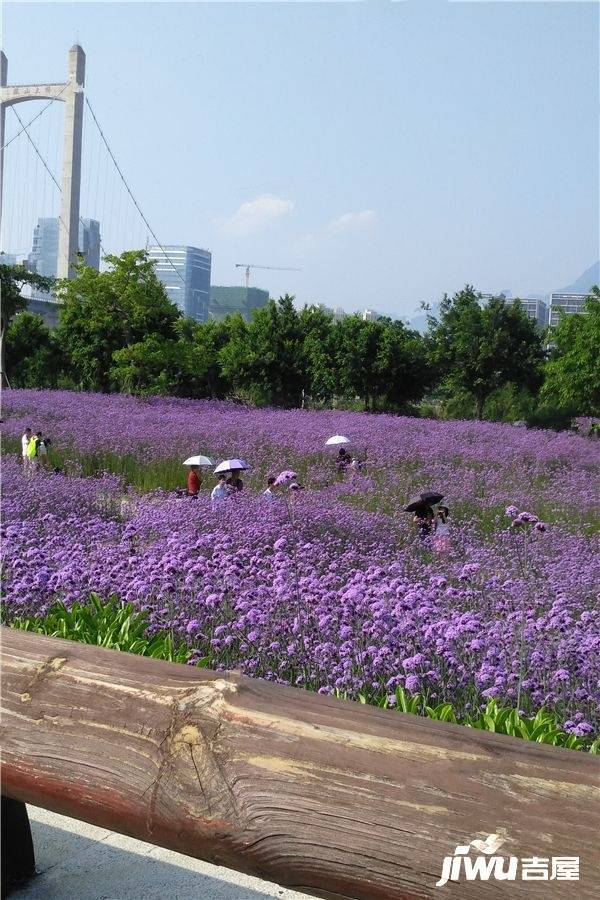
<point>128,189</point>
<point>50,173</point>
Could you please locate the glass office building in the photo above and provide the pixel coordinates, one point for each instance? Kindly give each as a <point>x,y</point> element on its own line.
<point>185,273</point>
<point>567,303</point>
<point>536,309</point>
<point>43,258</point>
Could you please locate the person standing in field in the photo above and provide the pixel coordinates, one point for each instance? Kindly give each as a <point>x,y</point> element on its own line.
<point>355,465</point>
<point>343,460</point>
<point>441,539</point>
<point>33,452</point>
<point>24,445</point>
<point>221,491</point>
<point>424,520</point>
<point>194,481</point>
<point>270,494</point>
<point>43,451</point>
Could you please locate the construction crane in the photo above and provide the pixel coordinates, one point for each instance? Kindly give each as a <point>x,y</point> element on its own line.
<point>248,266</point>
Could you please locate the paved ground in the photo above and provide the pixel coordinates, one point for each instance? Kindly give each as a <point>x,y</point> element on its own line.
<point>77,861</point>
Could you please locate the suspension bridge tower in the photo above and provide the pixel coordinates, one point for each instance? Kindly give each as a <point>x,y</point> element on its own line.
<point>71,94</point>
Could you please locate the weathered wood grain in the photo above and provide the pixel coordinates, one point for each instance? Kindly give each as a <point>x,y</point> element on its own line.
<point>327,796</point>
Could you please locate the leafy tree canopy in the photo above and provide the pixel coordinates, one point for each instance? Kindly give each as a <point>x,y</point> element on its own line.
<point>573,372</point>
<point>481,348</point>
<point>33,358</point>
<point>12,281</point>
<point>103,312</point>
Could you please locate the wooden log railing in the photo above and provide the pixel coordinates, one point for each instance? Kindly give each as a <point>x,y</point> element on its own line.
<point>326,796</point>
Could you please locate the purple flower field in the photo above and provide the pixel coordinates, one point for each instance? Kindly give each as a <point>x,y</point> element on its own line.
<point>332,589</point>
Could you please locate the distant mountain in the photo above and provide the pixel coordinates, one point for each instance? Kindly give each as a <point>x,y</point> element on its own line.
<point>586,281</point>
<point>419,322</point>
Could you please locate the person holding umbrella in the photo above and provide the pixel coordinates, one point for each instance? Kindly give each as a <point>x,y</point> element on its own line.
<point>423,514</point>
<point>194,481</point>
<point>343,460</point>
<point>231,468</point>
<point>194,478</point>
<point>424,519</point>
<point>234,481</point>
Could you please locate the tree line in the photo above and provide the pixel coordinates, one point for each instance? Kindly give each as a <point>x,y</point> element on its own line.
<point>119,332</point>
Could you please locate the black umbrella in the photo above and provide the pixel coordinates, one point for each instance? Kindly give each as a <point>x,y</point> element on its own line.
<point>431,497</point>
<point>423,501</point>
<point>415,504</point>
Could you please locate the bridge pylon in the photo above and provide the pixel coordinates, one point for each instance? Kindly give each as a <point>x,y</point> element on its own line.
<point>71,94</point>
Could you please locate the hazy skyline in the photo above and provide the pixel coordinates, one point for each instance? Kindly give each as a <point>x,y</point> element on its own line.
<point>392,151</point>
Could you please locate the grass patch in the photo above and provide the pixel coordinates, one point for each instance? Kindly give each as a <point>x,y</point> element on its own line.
<point>168,473</point>
<point>110,624</point>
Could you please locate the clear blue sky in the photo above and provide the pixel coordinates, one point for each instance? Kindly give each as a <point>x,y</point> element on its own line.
<point>392,151</point>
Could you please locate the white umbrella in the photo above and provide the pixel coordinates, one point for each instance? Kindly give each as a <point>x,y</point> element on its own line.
<point>337,439</point>
<point>198,461</point>
<point>228,465</point>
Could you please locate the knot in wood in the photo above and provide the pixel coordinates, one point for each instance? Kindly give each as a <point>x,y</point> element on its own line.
<point>188,734</point>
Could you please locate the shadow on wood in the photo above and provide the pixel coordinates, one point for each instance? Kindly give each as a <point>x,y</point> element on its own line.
<point>326,796</point>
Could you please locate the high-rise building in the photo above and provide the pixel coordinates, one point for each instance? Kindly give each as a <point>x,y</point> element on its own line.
<point>226,301</point>
<point>185,273</point>
<point>43,258</point>
<point>369,315</point>
<point>567,303</point>
<point>485,298</point>
<point>535,308</point>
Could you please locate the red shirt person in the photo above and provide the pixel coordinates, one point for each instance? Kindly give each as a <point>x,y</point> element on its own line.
<point>193,482</point>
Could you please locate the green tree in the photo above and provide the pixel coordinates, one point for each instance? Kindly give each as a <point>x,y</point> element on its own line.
<point>234,355</point>
<point>573,372</point>
<point>276,352</point>
<point>265,357</point>
<point>479,348</point>
<point>209,339</point>
<point>319,349</point>
<point>358,348</point>
<point>12,281</point>
<point>382,362</point>
<point>104,312</point>
<point>33,357</point>
<point>188,366</point>
<point>151,366</point>
<point>402,367</point>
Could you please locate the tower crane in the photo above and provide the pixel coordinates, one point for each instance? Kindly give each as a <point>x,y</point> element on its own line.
<point>248,266</point>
